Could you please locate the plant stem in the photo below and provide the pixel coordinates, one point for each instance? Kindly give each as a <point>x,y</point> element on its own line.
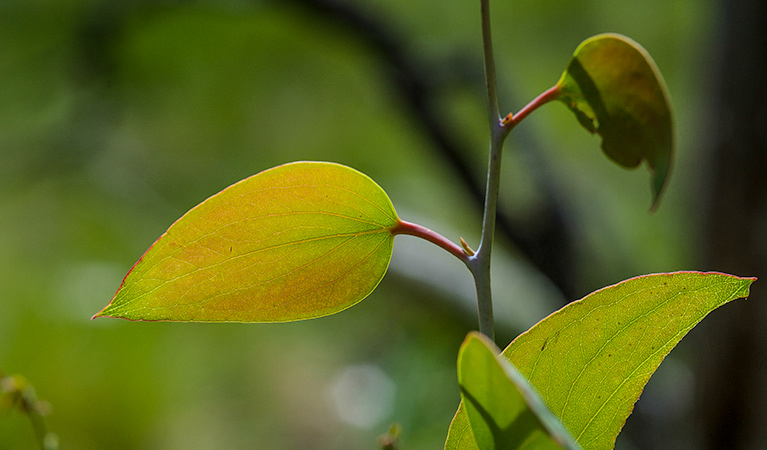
<point>487,47</point>
<point>479,264</point>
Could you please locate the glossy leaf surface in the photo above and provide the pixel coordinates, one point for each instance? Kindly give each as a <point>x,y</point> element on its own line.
<point>296,241</point>
<point>615,89</point>
<point>590,360</point>
<point>503,409</point>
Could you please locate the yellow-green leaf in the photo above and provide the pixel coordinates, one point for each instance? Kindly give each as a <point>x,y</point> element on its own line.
<point>297,241</point>
<point>504,411</point>
<point>590,360</point>
<point>615,89</point>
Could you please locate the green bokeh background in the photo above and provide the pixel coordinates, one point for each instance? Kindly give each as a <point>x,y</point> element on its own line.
<point>116,117</point>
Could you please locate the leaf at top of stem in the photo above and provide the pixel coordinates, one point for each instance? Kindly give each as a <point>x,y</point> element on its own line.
<point>615,89</point>
<point>297,241</point>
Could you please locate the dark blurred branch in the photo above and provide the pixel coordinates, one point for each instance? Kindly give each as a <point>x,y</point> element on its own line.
<point>548,245</point>
<point>732,395</point>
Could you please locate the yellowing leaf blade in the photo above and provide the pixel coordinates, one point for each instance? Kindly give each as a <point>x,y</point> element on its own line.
<point>294,242</point>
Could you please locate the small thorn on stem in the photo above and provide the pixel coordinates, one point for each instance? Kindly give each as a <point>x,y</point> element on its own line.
<point>466,248</point>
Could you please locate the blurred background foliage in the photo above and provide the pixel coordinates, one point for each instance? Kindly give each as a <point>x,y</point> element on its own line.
<point>118,116</point>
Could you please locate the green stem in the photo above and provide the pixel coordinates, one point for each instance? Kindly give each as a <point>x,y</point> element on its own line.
<point>479,264</point>
<point>487,47</point>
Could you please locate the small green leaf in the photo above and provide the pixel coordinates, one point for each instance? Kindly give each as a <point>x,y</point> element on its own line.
<point>297,241</point>
<point>590,360</point>
<point>504,411</point>
<point>615,89</point>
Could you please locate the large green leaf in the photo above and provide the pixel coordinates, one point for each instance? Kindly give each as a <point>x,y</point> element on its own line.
<point>297,241</point>
<point>615,89</point>
<point>590,360</point>
<point>504,411</point>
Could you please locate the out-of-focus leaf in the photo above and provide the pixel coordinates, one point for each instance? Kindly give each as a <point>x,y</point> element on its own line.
<point>297,241</point>
<point>615,89</point>
<point>590,360</point>
<point>504,411</point>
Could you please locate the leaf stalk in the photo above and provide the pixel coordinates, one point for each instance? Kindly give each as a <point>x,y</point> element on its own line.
<point>512,120</point>
<point>413,229</point>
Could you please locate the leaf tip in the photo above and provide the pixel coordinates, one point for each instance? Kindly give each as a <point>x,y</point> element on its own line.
<point>478,336</point>
<point>750,281</point>
<point>660,170</point>
<point>102,313</point>
<point>107,311</point>
<point>655,203</point>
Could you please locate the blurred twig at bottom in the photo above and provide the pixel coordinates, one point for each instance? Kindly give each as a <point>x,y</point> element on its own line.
<point>17,393</point>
